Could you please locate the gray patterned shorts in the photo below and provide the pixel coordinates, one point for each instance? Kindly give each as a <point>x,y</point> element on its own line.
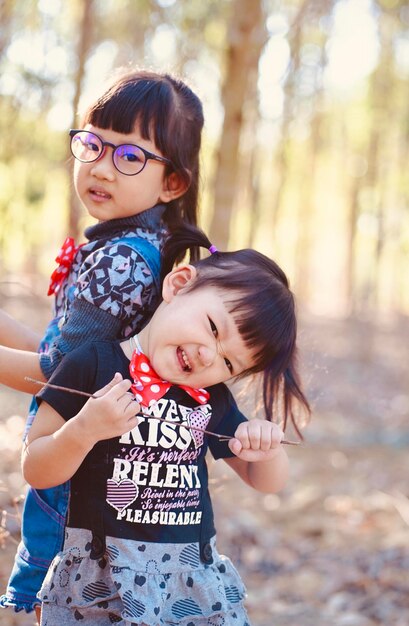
<point>140,584</point>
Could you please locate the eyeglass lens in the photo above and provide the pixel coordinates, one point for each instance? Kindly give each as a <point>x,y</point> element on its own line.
<point>87,147</point>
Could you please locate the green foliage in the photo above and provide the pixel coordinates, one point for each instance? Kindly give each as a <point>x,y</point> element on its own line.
<point>323,179</point>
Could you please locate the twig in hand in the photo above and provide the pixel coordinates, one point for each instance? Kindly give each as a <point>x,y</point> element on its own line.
<point>59,388</point>
<point>160,419</point>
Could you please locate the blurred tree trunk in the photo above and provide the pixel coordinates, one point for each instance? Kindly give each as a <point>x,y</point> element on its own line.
<point>382,113</point>
<point>309,12</point>
<point>250,167</point>
<point>6,12</point>
<point>254,168</point>
<point>247,36</point>
<point>84,45</point>
<point>281,165</point>
<point>306,199</point>
<point>385,112</point>
<point>400,280</point>
<point>305,212</point>
<point>352,221</point>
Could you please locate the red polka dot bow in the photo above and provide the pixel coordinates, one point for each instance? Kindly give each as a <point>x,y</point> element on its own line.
<point>148,387</point>
<point>64,258</point>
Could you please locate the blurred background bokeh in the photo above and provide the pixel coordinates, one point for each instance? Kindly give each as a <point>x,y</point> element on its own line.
<point>304,157</point>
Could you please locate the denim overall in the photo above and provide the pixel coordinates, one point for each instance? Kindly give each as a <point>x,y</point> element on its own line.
<point>45,510</point>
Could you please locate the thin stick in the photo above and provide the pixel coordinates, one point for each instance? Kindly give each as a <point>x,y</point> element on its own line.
<point>75,391</point>
<point>161,419</point>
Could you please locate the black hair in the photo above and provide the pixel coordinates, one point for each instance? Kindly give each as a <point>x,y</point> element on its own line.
<point>168,112</point>
<point>263,308</point>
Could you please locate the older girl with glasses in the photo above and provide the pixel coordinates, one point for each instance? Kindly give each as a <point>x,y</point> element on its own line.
<point>136,172</point>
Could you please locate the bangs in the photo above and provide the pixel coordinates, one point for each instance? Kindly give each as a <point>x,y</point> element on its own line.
<point>144,102</point>
<point>267,327</point>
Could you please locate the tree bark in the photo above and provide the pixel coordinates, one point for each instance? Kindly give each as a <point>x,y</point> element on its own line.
<point>246,39</point>
<point>84,45</point>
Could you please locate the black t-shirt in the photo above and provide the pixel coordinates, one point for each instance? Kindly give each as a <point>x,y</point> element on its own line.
<point>150,484</point>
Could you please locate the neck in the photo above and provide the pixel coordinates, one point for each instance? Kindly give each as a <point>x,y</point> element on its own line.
<point>131,344</point>
<point>135,345</point>
<point>137,342</point>
<point>143,339</point>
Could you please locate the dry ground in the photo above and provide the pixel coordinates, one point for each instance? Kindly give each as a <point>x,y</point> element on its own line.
<point>333,548</point>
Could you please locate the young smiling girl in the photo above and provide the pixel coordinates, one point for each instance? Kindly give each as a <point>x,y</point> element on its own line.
<point>140,544</point>
<point>136,171</point>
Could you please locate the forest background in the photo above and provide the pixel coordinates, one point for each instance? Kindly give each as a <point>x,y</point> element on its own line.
<point>304,157</point>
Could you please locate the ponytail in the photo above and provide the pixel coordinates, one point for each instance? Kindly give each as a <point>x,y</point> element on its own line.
<point>184,239</point>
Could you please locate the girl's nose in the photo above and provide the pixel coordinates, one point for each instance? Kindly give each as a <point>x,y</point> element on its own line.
<point>104,167</point>
<point>207,355</point>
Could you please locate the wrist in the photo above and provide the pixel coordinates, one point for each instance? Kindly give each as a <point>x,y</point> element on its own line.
<point>78,430</point>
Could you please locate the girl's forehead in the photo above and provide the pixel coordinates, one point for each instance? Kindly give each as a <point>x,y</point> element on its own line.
<point>217,301</point>
<point>217,294</point>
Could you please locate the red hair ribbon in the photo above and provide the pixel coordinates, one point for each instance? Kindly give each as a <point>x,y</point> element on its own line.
<point>148,387</point>
<point>64,258</point>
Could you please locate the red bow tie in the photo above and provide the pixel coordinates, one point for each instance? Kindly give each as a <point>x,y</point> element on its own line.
<point>148,387</point>
<point>64,258</point>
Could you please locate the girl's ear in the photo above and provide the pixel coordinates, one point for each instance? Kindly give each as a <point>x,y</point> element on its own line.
<point>176,280</point>
<point>174,186</point>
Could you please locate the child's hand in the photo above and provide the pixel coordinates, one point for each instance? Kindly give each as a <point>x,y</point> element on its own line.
<point>256,440</point>
<point>111,413</point>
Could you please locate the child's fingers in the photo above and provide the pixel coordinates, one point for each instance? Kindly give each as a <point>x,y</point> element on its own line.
<point>257,435</point>
<point>131,406</point>
<point>271,436</point>
<point>242,435</point>
<point>118,391</point>
<point>235,446</point>
<point>112,383</point>
<point>263,435</point>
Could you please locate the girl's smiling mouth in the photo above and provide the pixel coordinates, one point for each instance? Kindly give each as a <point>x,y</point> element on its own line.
<point>99,194</point>
<point>183,360</point>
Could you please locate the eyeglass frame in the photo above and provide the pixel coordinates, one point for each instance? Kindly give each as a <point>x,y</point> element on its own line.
<point>148,155</point>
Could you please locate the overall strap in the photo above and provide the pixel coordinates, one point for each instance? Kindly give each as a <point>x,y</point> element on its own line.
<point>148,252</point>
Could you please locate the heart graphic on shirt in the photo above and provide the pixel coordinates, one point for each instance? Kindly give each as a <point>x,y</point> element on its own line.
<point>199,420</point>
<point>121,494</point>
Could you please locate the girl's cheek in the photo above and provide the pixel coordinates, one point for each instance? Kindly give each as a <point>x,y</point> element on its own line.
<point>76,173</point>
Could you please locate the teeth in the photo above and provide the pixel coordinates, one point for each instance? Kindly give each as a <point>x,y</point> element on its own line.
<point>185,359</point>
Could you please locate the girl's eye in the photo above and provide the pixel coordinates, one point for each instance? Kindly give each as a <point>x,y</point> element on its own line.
<point>213,327</point>
<point>129,153</point>
<point>131,157</point>
<point>215,333</point>
<point>88,145</point>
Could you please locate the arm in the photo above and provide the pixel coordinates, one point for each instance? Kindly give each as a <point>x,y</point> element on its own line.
<point>15,365</point>
<point>14,334</point>
<point>56,448</point>
<point>260,460</point>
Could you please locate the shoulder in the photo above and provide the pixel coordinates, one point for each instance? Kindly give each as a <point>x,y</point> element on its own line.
<point>121,270</point>
<point>221,397</point>
<point>226,417</point>
<point>126,255</point>
<point>92,354</point>
<point>120,246</point>
<point>88,368</point>
<point>225,411</point>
